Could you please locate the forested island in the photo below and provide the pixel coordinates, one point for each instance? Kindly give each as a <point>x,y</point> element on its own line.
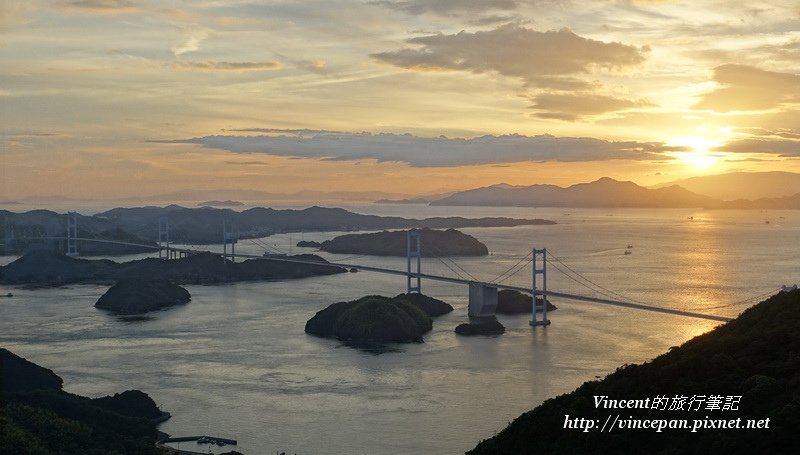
<point>755,356</point>
<point>136,296</point>
<point>434,243</point>
<point>378,319</point>
<point>45,268</point>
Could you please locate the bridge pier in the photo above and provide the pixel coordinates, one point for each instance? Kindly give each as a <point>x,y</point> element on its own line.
<point>482,300</point>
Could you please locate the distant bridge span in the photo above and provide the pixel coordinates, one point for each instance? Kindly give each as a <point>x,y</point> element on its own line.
<point>484,305</point>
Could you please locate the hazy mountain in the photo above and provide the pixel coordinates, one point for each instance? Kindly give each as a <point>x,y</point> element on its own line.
<point>415,200</point>
<point>605,192</point>
<point>786,202</point>
<point>741,185</point>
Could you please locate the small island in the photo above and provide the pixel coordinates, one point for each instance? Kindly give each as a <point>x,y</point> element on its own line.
<point>515,302</point>
<point>308,244</point>
<point>485,327</point>
<point>377,319</point>
<point>133,296</point>
<point>434,243</point>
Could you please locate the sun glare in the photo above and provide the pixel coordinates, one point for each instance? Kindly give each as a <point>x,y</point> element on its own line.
<point>699,155</point>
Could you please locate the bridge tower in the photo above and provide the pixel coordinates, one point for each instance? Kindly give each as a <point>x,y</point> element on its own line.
<point>414,257</point>
<point>229,236</point>
<point>537,307</point>
<point>72,233</point>
<point>8,243</point>
<point>163,237</point>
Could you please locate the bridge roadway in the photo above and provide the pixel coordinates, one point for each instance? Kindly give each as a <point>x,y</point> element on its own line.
<point>563,295</point>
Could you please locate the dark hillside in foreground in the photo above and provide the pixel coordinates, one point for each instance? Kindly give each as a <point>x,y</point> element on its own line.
<point>757,356</point>
<point>38,418</point>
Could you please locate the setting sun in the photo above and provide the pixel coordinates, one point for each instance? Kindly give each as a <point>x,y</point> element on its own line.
<point>699,156</point>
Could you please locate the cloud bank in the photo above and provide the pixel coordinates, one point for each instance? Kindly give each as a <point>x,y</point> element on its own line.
<point>432,152</point>
<point>538,58</point>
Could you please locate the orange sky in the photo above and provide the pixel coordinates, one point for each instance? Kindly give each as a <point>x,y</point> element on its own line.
<point>107,99</point>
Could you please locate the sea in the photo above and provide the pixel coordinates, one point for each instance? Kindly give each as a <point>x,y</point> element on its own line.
<point>235,362</point>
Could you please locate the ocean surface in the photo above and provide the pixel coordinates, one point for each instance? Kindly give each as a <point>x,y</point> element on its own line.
<point>236,363</point>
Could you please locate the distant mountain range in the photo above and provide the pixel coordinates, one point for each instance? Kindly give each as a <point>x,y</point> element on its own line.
<point>741,185</point>
<point>204,225</point>
<point>605,193</point>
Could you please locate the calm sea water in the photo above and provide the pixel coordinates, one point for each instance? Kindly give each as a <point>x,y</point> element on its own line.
<point>236,363</point>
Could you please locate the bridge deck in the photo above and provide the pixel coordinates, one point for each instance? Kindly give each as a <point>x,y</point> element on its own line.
<point>563,295</point>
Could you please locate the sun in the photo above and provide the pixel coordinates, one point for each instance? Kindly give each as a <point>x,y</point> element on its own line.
<point>699,156</point>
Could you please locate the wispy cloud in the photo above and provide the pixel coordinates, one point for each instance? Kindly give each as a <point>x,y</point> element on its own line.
<point>226,66</point>
<point>433,152</point>
<point>99,6</point>
<point>448,6</point>
<point>190,41</point>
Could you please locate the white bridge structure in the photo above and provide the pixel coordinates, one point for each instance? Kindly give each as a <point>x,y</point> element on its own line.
<point>482,294</point>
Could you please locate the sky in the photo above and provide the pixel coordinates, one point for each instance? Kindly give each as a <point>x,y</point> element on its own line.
<point>108,99</point>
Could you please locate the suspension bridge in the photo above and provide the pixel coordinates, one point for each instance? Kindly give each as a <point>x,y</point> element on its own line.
<point>482,294</point>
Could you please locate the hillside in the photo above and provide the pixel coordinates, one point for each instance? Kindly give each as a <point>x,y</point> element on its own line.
<point>604,192</point>
<point>37,417</point>
<point>756,356</point>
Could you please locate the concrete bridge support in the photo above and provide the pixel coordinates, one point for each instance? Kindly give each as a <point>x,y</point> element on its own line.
<point>482,300</point>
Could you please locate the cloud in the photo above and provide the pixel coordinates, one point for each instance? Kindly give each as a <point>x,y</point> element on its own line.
<point>227,66</point>
<point>448,7</point>
<point>746,88</point>
<point>571,106</point>
<point>784,133</point>
<point>780,147</point>
<point>538,58</point>
<point>190,42</point>
<point>246,163</point>
<point>99,6</point>
<point>433,152</point>
<point>301,132</point>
